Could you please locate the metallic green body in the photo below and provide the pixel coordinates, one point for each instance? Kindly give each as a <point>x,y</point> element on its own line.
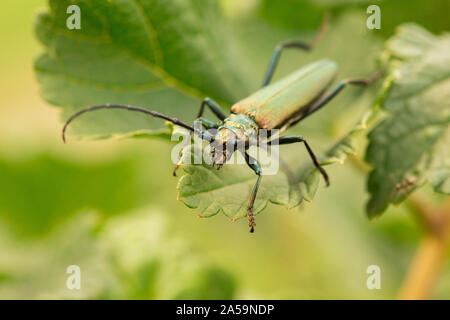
<point>241,126</point>
<point>272,106</point>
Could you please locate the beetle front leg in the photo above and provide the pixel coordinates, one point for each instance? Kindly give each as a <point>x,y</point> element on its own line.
<point>294,139</point>
<point>217,110</point>
<point>256,167</point>
<point>213,106</point>
<point>207,124</point>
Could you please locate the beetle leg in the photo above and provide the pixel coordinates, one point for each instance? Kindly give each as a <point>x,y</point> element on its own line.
<point>362,82</point>
<point>294,139</point>
<point>213,106</point>
<point>294,44</point>
<point>207,124</point>
<point>256,167</point>
<point>217,110</point>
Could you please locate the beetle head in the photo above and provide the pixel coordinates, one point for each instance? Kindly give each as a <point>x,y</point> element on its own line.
<point>223,147</point>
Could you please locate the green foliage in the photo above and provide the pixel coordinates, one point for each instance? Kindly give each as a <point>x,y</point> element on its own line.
<point>38,193</point>
<point>136,52</point>
<point>306,14</point>
<point>129,257</point>
<point>156,265</point>
<point>410,146</point>
<point>292,256</point>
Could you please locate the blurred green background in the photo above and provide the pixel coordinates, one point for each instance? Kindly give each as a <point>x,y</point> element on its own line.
<point>110,206</point>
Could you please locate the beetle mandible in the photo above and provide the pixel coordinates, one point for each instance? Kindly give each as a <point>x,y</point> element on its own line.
<point>276,106</point>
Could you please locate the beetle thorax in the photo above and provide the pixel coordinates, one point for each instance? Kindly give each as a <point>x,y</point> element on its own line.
<point>242,127</point>
<point>235,132</point>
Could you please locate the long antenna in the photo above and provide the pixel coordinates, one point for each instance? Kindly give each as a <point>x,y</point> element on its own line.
<point>130,108</point>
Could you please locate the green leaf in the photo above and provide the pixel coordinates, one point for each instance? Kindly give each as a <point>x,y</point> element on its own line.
<point>410,146</point>
<point>227,190</point>
<point>136,52</point>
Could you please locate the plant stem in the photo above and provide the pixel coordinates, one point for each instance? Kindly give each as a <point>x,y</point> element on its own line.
<point>429,257</point>
<point>423,272</point>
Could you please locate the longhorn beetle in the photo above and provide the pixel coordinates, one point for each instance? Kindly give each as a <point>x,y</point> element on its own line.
<point>276,106</point>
